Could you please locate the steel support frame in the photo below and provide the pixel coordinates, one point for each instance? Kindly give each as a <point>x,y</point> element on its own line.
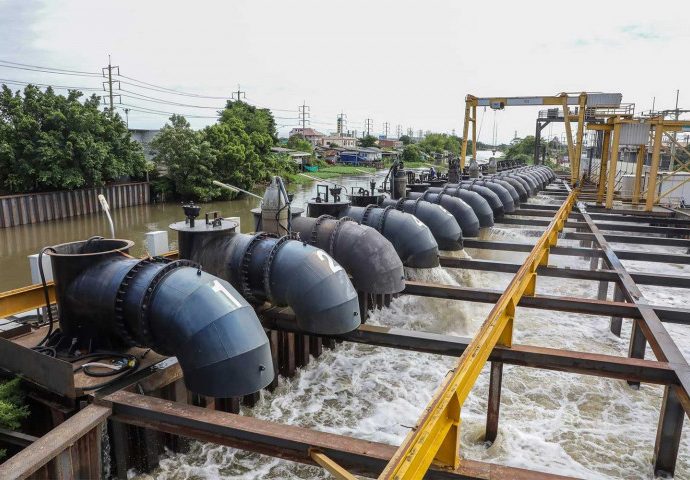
<point>649,328</point>
<point>436,436</point>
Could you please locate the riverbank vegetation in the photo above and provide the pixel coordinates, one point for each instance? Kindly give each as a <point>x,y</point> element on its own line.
<point>56,142</point>
<point>12,408</point>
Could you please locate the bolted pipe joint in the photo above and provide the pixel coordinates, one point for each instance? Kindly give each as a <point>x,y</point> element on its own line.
<point>110,300</point>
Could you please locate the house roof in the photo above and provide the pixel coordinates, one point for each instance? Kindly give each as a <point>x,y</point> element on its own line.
<point>308,132</point>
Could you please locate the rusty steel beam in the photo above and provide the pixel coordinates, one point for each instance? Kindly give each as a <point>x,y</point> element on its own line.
<point>559,303</point>
<point>579,251</point>
<point>632,239</point>
<point>603,226</point>
<point>614,217</point>
<point>608,366</point>
<point>284,441</point>
<point>602,275</point>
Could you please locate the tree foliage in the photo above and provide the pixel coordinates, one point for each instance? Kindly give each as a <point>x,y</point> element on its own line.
<point>236,150</point>
<point>522,149</point>
<point>405,139</point>
<point>411,153</point>
<point>367,141</point>
<point>50,141</point>
<point>440,142</point>
<point>299,143</point>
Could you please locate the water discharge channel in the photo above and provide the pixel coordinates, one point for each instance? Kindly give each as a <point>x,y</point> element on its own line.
<point>577,425</point>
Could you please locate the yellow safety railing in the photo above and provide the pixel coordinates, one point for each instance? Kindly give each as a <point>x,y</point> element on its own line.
<point>437,434</point>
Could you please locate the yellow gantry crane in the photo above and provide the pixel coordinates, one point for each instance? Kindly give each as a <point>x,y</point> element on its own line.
<point>583,101</point>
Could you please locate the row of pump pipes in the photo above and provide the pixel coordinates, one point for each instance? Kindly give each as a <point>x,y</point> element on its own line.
<point>328,267</point>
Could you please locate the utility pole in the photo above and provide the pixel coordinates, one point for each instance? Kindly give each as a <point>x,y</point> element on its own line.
<point>127,116</point>
<point>419,134</point>
<point>304,115</point>
<point>341,123</point>
<point>410,132</point>
<point>239,94</point>
<point>368,125</point>
<point>398,131</point>
<point>386,126</point>
<point>107,72</point>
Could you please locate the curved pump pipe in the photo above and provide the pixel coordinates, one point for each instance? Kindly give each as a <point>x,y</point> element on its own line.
<point>503,194</point>
<point>463,213</point>
<point>283,271</point>
<point>512,194</point>
<point>479,205</point>
<point>363,252</point>
<point>520,189</point>
<point>108,299</point>
<point>411,239</point>
<point>440,221</point>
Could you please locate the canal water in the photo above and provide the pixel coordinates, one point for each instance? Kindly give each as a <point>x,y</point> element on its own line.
<point>555,422</point>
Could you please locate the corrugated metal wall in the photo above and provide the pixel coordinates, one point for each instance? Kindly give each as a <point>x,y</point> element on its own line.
<point>41,207</point>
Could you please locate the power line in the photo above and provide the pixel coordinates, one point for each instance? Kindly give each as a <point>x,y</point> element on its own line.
<point>33,68</point>
<point>61,87</point>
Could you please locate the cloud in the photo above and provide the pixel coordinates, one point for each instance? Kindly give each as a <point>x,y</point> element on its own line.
<point>641,32</point>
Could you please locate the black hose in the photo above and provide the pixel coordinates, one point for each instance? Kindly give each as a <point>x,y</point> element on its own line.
<point>45,294</point>
<point>127,369</point>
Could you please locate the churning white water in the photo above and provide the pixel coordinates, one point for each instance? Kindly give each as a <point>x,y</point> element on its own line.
<point>563,423</point>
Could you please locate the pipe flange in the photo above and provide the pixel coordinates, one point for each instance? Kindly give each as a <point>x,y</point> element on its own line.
<point>416,205</point>
<point>365,215</point>
<point>315,228</point>
<point>382,218</point>
<point>120,301</point>
<point>334,234</point>
<point>146,300</point>
<point>269,263</point>
<point>399,204</point>
<point>244,266</point>
<point>440,196</point>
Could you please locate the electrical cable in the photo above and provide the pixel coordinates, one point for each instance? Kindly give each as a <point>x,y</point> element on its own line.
<point>45,294</point>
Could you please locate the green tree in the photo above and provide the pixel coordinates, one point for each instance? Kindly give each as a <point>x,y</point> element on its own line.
<point>188,159</point>
<point>299,143</point>
<point>50,141</point>
<point>440,142</point>
<point>405,139</point>
<point>367,141</point>
<point>411,153</point>
<point>522,149</point>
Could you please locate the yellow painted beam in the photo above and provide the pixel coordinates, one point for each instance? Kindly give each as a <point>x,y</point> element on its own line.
<point>613,162</point>
<point>333,468</point>
<point>639,167</point>
<point>606,143</point>
<point>569,137</point>
<point>437,433</point>
<point>24,299</point>
<point>654,170</point>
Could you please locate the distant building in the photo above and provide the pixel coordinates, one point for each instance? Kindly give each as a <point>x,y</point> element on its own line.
<point>309,134</point>
<point>390,143</point>
<point>359,156</point>
<point>144,137</point>
<point>338,141</point>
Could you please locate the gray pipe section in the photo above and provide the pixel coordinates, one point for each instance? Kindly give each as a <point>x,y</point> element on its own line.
<point>363,252</point>
<point>110,300</point>
<point>494,201</point>
<point>520,189</point>
<point>463,213</point>
<point>282,271</point>
<point>502,193</point>
<point>413,240</point>
<point>479,205</point>
<point>508,186</point>
<point>440,221</point>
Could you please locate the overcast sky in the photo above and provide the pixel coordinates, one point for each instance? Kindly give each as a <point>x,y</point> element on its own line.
<point>403,62</point>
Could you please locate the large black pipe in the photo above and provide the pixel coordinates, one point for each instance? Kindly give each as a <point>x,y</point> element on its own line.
<point>520,189</point>
<point>494,201</point>
<point>506,185</point>
<point>413,240</point>
<point>282,271</point>
<point>440,221</point>
<point>463,213</point>
<point>108,299</point>
<point>479,205</point>
<point>525,184</point>
<point>501,192</point>
<point>363,252</point>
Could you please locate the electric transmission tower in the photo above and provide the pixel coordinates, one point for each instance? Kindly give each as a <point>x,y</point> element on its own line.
<point>107,73</point>
<point>304,115</point>
<point>398,131</point>
<point>239,94</point>
<point>410,132</point>
<point>386,126</point>
<point>368,125</point>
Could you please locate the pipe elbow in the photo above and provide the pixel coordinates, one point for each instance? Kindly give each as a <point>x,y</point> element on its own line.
<point>215,334</point>
<point>363,252</point>
<point>440,221</point>
<point>317,289</point>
